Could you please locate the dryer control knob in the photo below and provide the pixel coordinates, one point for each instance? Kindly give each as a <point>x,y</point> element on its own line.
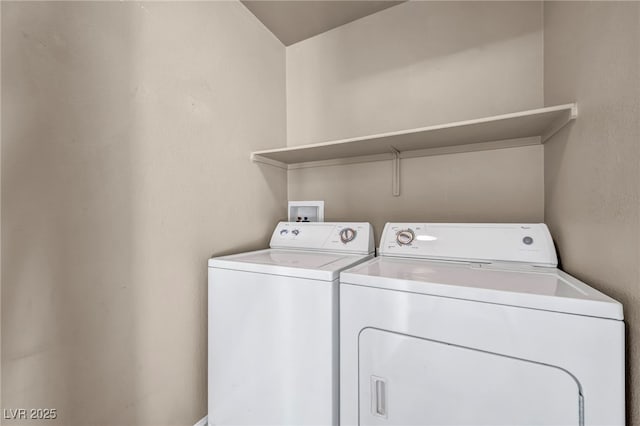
<point>347,234</point>
<point>405,237</point>
<point>284,232</point>
<point>295,231</point>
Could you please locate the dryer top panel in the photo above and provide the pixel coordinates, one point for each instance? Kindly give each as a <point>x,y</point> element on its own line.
<point>475,242</point>
<point>525,286</point>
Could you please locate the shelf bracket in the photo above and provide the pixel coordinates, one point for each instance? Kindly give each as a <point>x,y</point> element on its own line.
<point>395,178</point>
<point>560,122</point>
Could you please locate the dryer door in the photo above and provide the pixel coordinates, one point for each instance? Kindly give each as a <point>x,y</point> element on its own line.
<point>406,380</point>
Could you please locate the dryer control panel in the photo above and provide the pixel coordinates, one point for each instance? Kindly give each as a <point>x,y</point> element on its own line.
<point>348,237</point>
<point>529,243</point>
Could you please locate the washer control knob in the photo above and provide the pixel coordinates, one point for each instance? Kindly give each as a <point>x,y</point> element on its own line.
<point>295,231</point>
<point>284,232</point>
<point>347,234</point>
<point>405,237</point>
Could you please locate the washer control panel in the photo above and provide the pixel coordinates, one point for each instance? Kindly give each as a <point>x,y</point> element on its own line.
<point>479,242</point>
<point>352,237</point>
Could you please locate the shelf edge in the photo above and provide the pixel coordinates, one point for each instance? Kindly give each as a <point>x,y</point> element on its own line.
<point>257,158</point>
<point>341,161</point>
<point>570,108</point>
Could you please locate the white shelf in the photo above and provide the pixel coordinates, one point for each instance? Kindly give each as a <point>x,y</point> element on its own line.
<point>515,129</point>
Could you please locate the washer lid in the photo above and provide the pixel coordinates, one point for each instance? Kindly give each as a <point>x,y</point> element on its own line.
<point>292,263</point>
<point>507,284</point>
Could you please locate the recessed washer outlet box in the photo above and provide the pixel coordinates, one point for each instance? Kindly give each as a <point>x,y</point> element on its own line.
<point>306,211</point>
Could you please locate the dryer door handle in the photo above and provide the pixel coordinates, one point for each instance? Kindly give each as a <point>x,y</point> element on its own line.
<point>379,396</point>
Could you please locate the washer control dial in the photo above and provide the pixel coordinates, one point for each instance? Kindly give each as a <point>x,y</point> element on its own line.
<point>347,235</point>
<point>284,232</point>
<point>295,231</point>
<point>405,237</point>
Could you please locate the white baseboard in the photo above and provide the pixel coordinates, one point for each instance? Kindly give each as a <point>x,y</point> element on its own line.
<point>202,421</point>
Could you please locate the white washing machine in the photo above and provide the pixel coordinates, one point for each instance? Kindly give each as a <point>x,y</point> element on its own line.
<point>273,326</point>
<point>472,324</point>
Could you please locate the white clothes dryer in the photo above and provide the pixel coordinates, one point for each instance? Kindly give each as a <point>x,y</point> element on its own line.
<point>273,326</point>
<point>473,324</point>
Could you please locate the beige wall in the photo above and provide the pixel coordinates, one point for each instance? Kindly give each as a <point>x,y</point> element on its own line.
<point>124,165</point>
<point>0,211</point>
<point>415,64</point>
<point>468,187</point>
<point>592,168</point>
<point>412,65</point>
